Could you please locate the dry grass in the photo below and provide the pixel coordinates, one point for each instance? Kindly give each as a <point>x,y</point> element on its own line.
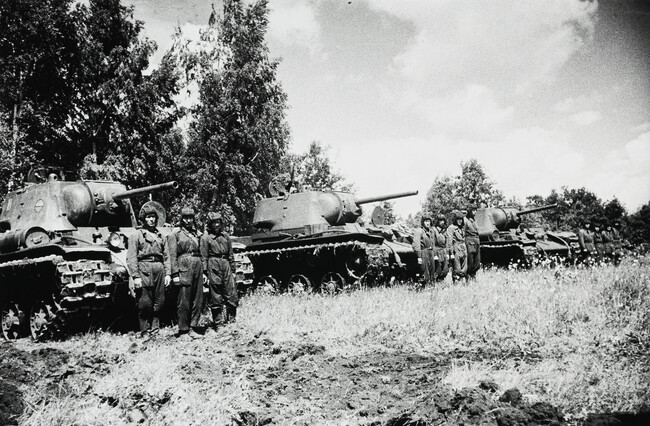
<point>577,338</point>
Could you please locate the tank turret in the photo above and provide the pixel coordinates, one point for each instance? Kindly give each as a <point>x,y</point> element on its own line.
<point>313,240</point>
<point>494,221</point>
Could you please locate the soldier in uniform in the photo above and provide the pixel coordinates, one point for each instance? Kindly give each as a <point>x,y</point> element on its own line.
<point>145,259</point>
<point>472,243</point>
<point>598,242</point>
<point>608,243</point>
<point>586,242</point>
<point>423,246</point>
<point>184,258</point>
<point>618,242</point>
<point>218,265</point>
<point>456,245</point>
<point>440,250</point>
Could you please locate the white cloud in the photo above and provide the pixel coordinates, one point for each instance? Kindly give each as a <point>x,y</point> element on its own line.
<point>643,127</point>
<point>293,22</point>
<point>585,118</point>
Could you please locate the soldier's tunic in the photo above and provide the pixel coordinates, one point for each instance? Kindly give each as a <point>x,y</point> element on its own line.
<point>608,244</point>
<point>218,260</point>
<point>472,243</point>
<point>185,263</point>
<point>598,243</point>
<point>423,246</point>
<point>586,241</point>
<point>457,249</point>
<point>145,259</point>
<point>440,251</point>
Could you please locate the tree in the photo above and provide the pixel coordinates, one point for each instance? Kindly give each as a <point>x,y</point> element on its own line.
<point>239,135</point>
<point>314,169</point>
<point>455,193</point>
<point>638,227</point>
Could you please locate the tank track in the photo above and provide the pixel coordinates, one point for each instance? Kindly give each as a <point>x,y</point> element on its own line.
<point>327,257</point>
<point>74,289</point>
<point>514,253</point>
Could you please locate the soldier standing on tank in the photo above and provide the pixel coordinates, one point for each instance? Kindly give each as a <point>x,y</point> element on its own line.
<point>472,243</point>
<point>586,242</point>
<point>145,258</point>
<point>440,250</point>
<point>423,246</point>
<point>184,258</point>
<point>218,265</point>
<point>456,245</point>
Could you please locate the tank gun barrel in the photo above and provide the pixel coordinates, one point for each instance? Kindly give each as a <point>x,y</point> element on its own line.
<point>537,209</point>
<point>367,200</point>
<point>117,196</point>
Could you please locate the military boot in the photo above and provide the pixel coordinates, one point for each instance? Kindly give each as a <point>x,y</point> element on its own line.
<point>155,324</point>
<point>231,314</point>
<point>217,317</point>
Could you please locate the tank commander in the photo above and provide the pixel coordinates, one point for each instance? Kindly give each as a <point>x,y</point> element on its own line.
<point>218,265</point>
<point>440,251</point>
<point>423,247</point>
<point>472,243</point>
<point>586,241</point>
<point>145,259</point>
<point>456,245</point>
<point>184,260</point>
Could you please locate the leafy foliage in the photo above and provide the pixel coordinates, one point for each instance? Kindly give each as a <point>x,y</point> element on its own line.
<point>239,135</point>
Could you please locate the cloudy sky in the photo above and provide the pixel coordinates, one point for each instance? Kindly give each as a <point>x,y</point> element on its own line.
<point>543,93</point>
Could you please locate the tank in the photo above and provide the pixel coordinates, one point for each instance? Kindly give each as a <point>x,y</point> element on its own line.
<point>504,240</point>
<point>313,240</point>
<point>63,254</point>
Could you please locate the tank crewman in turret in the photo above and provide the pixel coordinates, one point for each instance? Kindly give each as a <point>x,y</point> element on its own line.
<point>423,246</point>
<point>218,265</point>
<point>186,269</point>
<point>586,241</point>
<point>598,242</point>
<point>472,243</point>
<point>145,258</point>
<point>456,245</point>
<point>440,250</point>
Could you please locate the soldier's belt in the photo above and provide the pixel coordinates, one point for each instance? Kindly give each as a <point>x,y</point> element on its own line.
<point>218,256</point>
<point>151,258</point>
<point>193,254</point>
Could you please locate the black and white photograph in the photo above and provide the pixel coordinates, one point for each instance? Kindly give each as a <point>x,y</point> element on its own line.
<point>325,212</point>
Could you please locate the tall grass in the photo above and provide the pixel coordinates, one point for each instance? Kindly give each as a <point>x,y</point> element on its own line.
<point>578,338</point>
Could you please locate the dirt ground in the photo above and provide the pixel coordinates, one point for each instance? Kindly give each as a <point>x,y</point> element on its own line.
<point>304,385</point>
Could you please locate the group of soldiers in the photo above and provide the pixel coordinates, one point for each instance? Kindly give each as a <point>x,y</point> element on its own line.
<point>197,267</point>
<point>600,244</point>
<point>440,247</point>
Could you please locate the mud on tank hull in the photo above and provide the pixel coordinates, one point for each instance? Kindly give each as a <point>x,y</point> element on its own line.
<point>330,263</point>
<point>50,290</point>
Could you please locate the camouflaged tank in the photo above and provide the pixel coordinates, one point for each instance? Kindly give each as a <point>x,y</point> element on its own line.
<point>63,254</point>
<point>312,240</point>
<point>504,241</point>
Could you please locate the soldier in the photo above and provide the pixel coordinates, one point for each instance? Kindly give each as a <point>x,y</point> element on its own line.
<point>186,269</point>
<point>145,259</point>
<point>586,242</point>
<point>423,246</point>
<point>440,251</point>
<point>618,242</point>
<point>472,243</point>
<point>456,245</point>
<point>608,243</point>
<point>598,242</point>
<point>218,265</point>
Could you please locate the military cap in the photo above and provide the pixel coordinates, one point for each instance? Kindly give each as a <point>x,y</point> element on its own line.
<point>146,210</point>
<point>441,217</point>
<point>212,216</point>
<point>187,211</point>
<point>456,214</point>
<point>425,218</point>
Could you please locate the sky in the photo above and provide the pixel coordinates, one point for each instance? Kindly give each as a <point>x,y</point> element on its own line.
<point>543,93</point>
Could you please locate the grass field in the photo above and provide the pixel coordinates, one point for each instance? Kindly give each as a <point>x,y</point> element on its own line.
<point>573,342</point>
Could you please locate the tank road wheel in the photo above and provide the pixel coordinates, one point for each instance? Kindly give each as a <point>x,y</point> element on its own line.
<point>356,263</point>
<point>39,318</point>
<point>268,285</point>
<point>298,284</point>
<point>332,282</point>
<point>13,321</point>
